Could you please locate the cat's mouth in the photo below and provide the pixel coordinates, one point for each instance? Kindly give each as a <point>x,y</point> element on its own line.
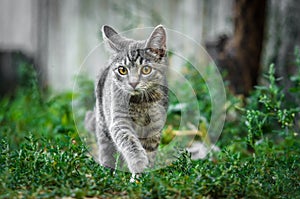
<point>136,92</point>
<point>149,95</point>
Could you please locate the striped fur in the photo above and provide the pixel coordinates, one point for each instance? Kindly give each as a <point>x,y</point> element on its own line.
<point>128,119</point>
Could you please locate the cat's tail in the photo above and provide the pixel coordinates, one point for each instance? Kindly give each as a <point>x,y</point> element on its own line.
<point>90,121</point>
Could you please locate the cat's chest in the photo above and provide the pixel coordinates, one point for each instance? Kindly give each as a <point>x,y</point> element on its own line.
<point>140,113</point>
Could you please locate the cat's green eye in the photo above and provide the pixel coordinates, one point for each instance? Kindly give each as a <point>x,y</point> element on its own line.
<point>146,70</point>
<point>122,70</point>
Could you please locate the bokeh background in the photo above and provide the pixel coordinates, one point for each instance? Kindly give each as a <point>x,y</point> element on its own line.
<point>57,35</point>
<point>45,151</point>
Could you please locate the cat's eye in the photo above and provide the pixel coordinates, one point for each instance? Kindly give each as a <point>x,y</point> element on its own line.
<point>146,70</point>
<point>122,70</point>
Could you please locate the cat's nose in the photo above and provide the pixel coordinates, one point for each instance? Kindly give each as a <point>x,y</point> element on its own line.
<point>133,84</point>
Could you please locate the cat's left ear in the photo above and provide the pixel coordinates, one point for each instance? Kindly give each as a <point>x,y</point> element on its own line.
<point>157,41</point>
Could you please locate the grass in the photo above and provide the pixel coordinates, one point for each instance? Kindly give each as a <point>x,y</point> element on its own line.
<point>42,168</point>
<point>41,155</point>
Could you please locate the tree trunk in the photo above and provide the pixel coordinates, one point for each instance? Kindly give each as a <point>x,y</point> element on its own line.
<point>240,55</point>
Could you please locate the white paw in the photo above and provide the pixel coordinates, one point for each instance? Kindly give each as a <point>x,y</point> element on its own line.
<point>139,165</point>
<point>134,178</point>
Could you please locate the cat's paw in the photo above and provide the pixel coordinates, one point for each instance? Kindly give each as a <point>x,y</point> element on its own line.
<point>134,178</point>
<point>139,164</point>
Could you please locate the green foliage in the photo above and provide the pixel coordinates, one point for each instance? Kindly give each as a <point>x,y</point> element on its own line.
<point>269,114</point>
<point>47,169</point>
<point>201,94</point>
<point>41,155</point>
<point>29,112</point>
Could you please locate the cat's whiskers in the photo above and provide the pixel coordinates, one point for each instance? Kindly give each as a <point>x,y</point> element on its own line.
<point>142,94</point>
<point>147,96</point>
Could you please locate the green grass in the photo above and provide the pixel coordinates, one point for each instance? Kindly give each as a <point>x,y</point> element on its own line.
<point>42,156</point>
<point>46,169</point>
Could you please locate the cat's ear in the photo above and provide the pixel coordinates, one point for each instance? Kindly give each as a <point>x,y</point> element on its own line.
<point>112,39</point>
<point>157,41</point>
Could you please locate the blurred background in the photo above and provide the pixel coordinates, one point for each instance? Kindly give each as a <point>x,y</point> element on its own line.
<point>243,37</point>
<point>43,142</point>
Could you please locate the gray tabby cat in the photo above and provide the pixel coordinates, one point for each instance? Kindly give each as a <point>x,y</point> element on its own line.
<point>131,100</point>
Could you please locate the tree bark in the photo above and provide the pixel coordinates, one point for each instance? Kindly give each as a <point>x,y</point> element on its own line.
<point>240,55</point>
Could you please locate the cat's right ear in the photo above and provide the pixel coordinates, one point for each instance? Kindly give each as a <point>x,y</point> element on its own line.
<point>112,39</point>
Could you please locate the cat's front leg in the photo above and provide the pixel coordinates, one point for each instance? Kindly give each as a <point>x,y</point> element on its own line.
<point>130,147</point>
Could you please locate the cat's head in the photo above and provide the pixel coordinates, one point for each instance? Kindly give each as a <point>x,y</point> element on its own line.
<point>137,66</point>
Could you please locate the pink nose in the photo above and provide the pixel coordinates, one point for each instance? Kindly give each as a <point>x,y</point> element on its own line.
<point>133,84</point>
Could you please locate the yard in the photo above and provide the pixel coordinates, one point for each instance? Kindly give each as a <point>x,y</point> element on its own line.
<point>42,155</point>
